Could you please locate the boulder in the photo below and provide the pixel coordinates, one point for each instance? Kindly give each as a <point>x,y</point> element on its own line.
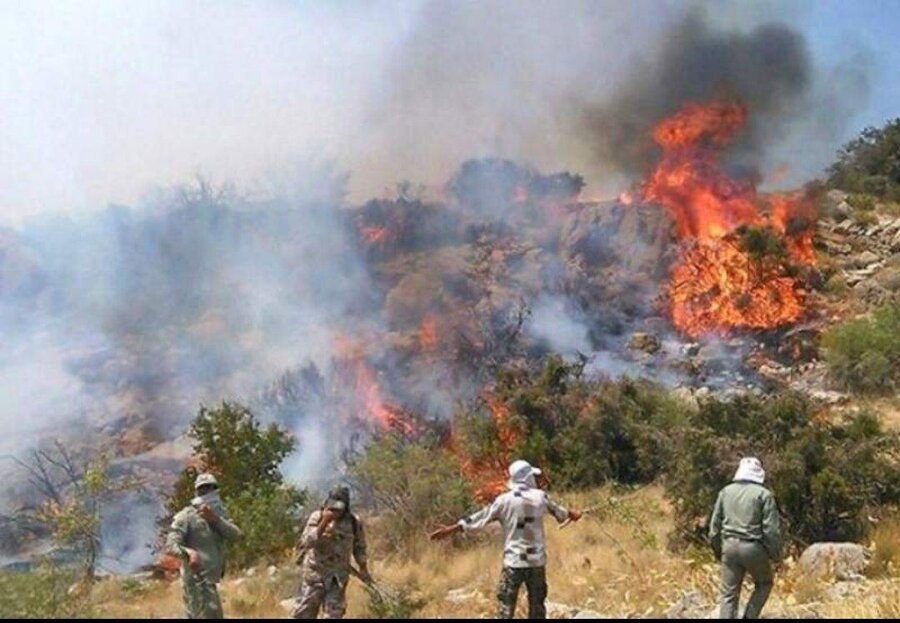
<point>841,561</point>
<point>889,278</point>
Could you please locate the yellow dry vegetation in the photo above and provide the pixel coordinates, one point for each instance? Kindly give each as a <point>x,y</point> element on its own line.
<point>614,562</point>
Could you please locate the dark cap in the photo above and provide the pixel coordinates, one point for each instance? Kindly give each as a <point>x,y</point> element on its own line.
<point>338,499</point>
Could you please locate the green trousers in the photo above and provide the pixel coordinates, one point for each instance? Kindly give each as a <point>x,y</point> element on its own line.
<point>738,559</point>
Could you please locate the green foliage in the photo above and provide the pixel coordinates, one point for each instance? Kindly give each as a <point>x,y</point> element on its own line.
<point>586,432</point>
<point>762,243</point>
<point>825,475</point>
<point>41,594</point>
<point>861,201</point>
<point>414,484</point>
<point>245,457</point>
<point>870,163</point>
<point>863,355</point>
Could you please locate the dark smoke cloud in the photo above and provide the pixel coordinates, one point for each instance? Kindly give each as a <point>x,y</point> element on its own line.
<point>769,68</point>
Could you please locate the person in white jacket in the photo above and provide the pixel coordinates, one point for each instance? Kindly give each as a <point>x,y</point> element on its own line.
<point>521,512</point>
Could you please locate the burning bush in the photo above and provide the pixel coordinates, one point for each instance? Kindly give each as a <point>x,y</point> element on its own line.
<point>230,443</point>
<point>718,284</point>
<point>827,477</point>
<point>864,355</point>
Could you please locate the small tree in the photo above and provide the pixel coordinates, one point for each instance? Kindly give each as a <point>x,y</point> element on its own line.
<point>870,163</point>
<point>414,484</point>
<point>73,495</point>
<point>245,457</point>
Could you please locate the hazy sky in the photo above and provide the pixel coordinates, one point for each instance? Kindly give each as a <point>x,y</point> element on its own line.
<point>101,100</point>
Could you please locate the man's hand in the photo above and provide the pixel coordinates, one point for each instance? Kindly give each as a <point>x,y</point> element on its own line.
<point>364,574</point>
<point>442,532</point>
<point>574,515</point>
<point>193,559</point>
<point>328,518</point>
<point>208,514</point>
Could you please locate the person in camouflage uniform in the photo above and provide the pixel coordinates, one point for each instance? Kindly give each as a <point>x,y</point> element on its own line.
<point>331,535</point>
<point>520,511</point>
<point>197,537</point>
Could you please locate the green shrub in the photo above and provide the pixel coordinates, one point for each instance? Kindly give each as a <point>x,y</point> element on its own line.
<point>825,476</point>
<point>863,355</point>
<point>865,217</point>
<point>245,457</point>
<point>412,484</point>
<point>42,594</point>
<point>869,163</point>
<point>861,201</point>
<point>586,432</point>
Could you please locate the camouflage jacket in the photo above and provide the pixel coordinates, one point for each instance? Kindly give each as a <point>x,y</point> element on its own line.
<point>190,530</point>
<point>328,556</point>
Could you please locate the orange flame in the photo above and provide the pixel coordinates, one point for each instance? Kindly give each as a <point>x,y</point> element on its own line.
<point>716,285</point>
<point>375,409</point>
<point>374,234</point>
<point>489,473</point>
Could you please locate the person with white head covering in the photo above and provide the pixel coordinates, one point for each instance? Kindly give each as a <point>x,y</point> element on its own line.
<point>521,512</point>
<point>197,537</point>
<point>745,534</point>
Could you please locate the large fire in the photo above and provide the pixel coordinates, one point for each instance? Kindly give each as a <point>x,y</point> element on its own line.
<point>719,283</point>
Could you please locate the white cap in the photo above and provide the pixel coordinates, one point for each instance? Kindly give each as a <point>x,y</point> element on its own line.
<point>520,470</point>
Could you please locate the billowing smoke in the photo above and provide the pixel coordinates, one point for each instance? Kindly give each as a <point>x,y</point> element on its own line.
<point>124,320</point>
<point>769,68</point>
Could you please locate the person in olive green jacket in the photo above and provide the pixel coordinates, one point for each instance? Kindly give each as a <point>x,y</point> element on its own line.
<point>197,537</point>
<point>745,534</point>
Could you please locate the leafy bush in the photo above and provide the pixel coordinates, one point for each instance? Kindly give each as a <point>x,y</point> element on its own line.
<point>861,201</point>
<point>870,163</point>
<point>863,355</point>
<point>414,484</point>
<point>245,458</point>
<point>585,432</point>
<point>41,594</point>
<point>825,476</point>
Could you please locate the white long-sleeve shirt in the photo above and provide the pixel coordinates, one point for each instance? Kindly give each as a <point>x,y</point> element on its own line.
<point>521,513</point>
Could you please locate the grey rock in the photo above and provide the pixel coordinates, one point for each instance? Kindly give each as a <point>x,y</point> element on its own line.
<point>862,260</point>
<point>842,561</point>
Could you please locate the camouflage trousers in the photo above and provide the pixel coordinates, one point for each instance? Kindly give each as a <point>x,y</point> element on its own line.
<point>201,598</point>
<point>534,579</point>
<point>315,594</point>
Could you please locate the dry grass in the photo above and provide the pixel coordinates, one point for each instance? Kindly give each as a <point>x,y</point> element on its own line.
<point>615,563</point>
